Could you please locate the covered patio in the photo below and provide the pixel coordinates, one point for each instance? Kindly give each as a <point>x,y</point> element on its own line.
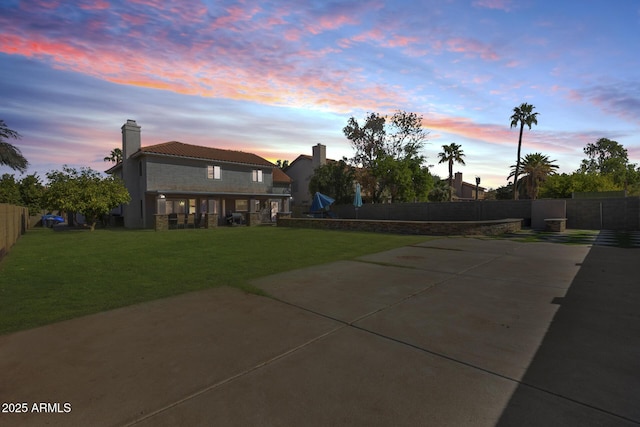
<point>181,210</point>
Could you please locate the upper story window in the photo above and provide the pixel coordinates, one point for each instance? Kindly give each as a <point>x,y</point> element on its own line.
<point>256,175</point>
<point>213,172</point>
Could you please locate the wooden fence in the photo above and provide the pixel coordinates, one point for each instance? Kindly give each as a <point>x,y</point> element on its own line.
<point>14,222</point>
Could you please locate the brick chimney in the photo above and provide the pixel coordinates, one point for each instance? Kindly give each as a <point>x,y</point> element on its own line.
<point>457,183</point>
<point>319,155</point>
<point>130,138</point>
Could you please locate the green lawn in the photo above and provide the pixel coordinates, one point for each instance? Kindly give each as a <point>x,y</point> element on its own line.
<point>50,276</point>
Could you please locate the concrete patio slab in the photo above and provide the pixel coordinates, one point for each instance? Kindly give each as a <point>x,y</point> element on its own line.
<point>474,244</point>
<point>445,335</point>
<point>353,378</point>
<point>539,264</point>
<point>348,290</point>
<point>116,366</point>
<point>591,351</point>
<point>431,259</point>
<point>493,325</point>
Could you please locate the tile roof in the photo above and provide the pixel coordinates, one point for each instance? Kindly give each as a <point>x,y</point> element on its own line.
<point>179,149</point>
<point>280,176</point>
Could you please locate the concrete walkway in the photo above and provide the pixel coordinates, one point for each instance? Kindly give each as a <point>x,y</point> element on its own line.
<point>451,332</point>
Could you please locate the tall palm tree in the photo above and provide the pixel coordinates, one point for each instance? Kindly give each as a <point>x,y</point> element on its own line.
<point>115,156</point>
<point>451,153</point>
<point>522,115</point>
<point>536,168</point>
<point>10,155</point>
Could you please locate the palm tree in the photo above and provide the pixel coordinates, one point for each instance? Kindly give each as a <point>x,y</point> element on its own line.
<point>10,155</point>
<point>451,153</point>
<point>536,168</point>
<point>522,115</point>
<point>115,156</point>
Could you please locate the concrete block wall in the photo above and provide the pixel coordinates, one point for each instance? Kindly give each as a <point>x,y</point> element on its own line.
<point>591,214</point>
<point>444,211</point>
<point>607,214</point>
<point>446,228</point>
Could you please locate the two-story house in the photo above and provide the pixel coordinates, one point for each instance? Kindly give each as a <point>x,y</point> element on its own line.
<point>177,178</point>
<point>301,170</point>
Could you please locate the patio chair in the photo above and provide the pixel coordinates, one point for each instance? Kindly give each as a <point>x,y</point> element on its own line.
<point>191,221</point>
<point>173,221</point>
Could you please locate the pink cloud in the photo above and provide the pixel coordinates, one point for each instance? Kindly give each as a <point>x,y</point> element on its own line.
<point>375,34</point>
<point>471,47</point>
<point>505,5</point>
<point>95,5</point>
<point>401,41</point>
<point>134,20</point>
<point>503,135</point>
<point>327,23</point>
<point>234,15</point>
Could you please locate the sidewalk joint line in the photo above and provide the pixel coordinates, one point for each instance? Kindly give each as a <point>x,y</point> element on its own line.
<point>479,368</point>
<point>233,377</point>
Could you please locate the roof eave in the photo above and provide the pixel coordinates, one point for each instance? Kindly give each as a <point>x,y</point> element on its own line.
<point>202,159</point>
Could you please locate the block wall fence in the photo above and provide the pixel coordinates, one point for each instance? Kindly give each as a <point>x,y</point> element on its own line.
<point>442,228</point>
<point>590,214</point>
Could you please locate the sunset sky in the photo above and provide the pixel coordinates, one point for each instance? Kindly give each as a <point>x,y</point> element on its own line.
<point>277,77</point>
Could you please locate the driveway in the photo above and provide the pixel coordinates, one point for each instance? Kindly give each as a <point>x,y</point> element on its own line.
<point>450,332</point>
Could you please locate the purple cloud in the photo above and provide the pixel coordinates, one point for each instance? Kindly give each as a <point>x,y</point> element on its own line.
<point>621,99</point>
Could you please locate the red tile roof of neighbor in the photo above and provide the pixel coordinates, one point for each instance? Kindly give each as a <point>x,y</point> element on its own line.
<point>280,176</point>
<point>175,148</point>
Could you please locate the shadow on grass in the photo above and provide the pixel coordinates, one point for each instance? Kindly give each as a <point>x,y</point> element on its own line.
<point>587,369</point>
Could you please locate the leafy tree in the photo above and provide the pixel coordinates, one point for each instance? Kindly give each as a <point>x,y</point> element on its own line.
<point>26,192</point>
<point>10,155</point>
<point>563,185</point>
<point>335,179</point>
<point>387,149</point>
<point>367,140</point>
<point>406,137</point>
<point>115,156</point>
<point>32,193</point>
<point>451,153</point>
<point>536,168</point>
<point>9,190</point>
<point>421,179</point>
<point>505,192</point>
<point>441,191</point>
<point>607,157</point>
<point>84,191</point>
<point>395,178</point>
<point>632,179</point>
<point>522,115</point>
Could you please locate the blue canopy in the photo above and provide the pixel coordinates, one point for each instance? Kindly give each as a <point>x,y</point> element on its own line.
<point>320,201</point>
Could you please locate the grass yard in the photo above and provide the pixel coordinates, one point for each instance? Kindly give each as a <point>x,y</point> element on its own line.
<point>51,276</point>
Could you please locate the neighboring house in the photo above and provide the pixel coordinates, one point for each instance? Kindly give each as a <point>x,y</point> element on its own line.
<point>301,170</point>
<point>178,178</point>
<point>465,190</point>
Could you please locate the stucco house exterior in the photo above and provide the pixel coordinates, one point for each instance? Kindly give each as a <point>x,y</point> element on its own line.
<point>301,170</point>
<point>466,190</point>
<point>201,184</point>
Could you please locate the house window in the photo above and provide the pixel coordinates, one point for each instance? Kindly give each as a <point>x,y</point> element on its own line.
<point>257,175</point>
<point>242,205</point>
<point>213,172</point>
